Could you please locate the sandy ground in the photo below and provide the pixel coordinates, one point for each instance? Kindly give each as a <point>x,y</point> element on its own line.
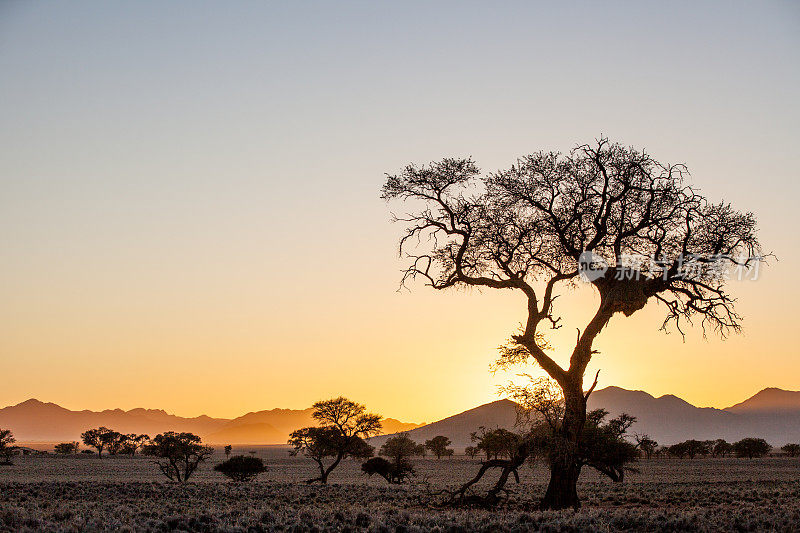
<point>84,493</point>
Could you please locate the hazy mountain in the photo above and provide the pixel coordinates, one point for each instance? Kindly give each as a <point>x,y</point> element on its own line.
<point>770,399</point>
<point>275,425</point>
<point>33,421</point>
<point>770,414</point>
<point>501,413</point>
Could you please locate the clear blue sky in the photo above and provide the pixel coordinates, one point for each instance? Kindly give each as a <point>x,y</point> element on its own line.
<point>194,185</point>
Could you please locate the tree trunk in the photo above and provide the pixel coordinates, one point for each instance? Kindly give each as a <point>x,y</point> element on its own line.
<point>562,492</point>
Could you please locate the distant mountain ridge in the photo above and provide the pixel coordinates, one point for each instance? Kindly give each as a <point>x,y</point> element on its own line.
<point>773,414</point>
<point>36,421</point>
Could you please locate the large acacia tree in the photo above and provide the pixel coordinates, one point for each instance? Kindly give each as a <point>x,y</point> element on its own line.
<point>542,226</point>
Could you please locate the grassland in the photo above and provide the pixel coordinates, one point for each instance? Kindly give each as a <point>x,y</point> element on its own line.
<point>84,493</point>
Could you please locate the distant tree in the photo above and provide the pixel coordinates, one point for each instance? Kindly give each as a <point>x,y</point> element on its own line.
<point>67,448</point>
<point>177,454</point>
<point>241,467</point>
<point>552,219</point>
<point>228,449</point>
<point>391,471</point>
<point>132,442</point>
<point>495,443</point>
<point>689,448</point>
<point>116,443</point>
<point>7,448</point>
<point>751,447</point>
<point>87,452</point>
<point>721,448</point>
<point>471,451</point>
<point>99,439</point>
<point>647,445</point>
<point>399,448</point>
<point>438,446</point>
<point>344,425</point>
<point>422,451</point>
<point>792,450</point>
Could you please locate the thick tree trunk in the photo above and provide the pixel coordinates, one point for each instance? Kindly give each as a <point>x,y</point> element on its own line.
<point>562,491</point>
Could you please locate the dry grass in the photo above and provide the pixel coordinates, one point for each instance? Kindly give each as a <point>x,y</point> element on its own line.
<point>83,493</point>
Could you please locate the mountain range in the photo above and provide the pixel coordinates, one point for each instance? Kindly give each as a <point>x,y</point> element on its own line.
<point>35,421</point>
<point>773,414</point>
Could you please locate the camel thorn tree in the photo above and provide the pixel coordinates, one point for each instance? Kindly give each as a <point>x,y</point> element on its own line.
<point>613,217</point>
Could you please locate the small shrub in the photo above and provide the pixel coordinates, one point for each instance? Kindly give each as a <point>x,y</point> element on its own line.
<point>393,472</point>
<point>241,467</point>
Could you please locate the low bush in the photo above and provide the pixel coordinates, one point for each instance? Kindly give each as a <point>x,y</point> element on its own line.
<point>241,467</point>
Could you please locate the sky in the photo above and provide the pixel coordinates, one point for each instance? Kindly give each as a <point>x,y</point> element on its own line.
<point>189,192</point>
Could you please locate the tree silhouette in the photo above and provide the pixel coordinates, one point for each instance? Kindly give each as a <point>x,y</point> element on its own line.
<point>647,445</point>
<point>241,467</point>
<point>344,425</point>
<point>495,443</point>
<point>690,448</point>
<point>438,446</point>
<point>66,448</point>
<point>603,445</point>
<point>792,450</point>
<point>99,438</point>
<point>228,449</point>
<point>553,220</point>
<point>7,448</point>
<point>132,442</point>
<point>389,470</point>
<point>178,454</point>
<point>399,448</point>
<point>721,448</point>
<point>751,447</point>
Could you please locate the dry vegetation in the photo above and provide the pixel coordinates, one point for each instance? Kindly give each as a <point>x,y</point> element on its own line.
<point>80,493</point>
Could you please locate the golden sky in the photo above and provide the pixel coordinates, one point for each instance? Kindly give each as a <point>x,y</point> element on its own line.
<point>189,211</point>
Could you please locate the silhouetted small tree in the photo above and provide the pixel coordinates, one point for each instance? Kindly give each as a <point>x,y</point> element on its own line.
<point>689,448</point>
<point>721,448</point>
<point>66,448</point>
<point>471,451</point>
<point>399,448</point>
<point>99,438</point>
<point>228,449</point>
<point>7,448</point>
<point>647,445</point>
<point>116,442</point>
<point>130,443</point>
<point>495,443</point>
<point>241,467</point>
<point>751,447</point>
<point>438,446</point>
<point>792,450</point>
<point>344,425</point>
<point>603,445</point>
<point>178,454</point>
<point>391,471</point>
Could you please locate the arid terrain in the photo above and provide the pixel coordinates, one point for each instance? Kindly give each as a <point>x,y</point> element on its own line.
<point>84,493</point>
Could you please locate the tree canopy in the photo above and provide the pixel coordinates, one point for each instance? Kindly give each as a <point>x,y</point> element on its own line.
<point>630,227</point>
<point>344,424</point>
